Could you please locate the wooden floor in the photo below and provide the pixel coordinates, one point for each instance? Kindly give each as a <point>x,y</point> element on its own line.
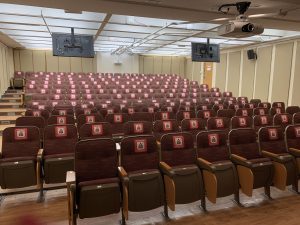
<point>282,210</point>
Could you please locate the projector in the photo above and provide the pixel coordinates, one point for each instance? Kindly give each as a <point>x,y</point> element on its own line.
<point>240,28</point>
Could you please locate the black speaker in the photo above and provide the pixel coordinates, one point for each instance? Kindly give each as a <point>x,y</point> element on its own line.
<point>252,54</point>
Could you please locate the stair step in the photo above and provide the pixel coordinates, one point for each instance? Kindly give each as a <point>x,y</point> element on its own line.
<point>11,99</point>
<point>5,120</point>
<point>10,105</point>
<point>14,91</point>
<point>12,111</point>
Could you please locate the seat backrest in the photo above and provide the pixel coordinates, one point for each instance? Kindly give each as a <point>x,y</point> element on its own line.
<point>92,118</point>
<point>185,115</point>
<point>142,116</point>
<point>278,105</point>
<point>282,120</point>
<point>137,128</point>
<point>164,115</point>
<point>255,102</point>
<point>229,113</point>
<point>95,130</point>
<point>20,142</point>
<point>62,120</point>
<point>266,105</point>
<point>139,153</point>
<point>165,126</point>
<point>60,139</point>
<point>272,139</point>
<point>241,122</point>
<point>296,118</point>
<point>244,112</point>
<point>62,112</point>
<point>196,124</point>
<point>242,142</point>
<point>212,146</point>
<point>292,109</point>
<point>260,111</point>
<point>292,136</point>
<point>88,111</point>
<point>96,159</point>
<point>177,149</point>
<point>206,114</point>
<point>218,123</point>
<point>43,113</point>
<point>31,121</point>
<point>117,120</point>
<point>276,110</point>
<point>262,121</point>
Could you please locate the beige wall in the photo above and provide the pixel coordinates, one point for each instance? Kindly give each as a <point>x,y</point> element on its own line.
<point>272,77</point>
<point>162,64</point>
<point>43,60</point>
<point>6,67</point>
<point>107,63</point>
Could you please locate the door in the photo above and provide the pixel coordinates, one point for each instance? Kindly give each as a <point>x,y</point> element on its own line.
<point>208,72</point>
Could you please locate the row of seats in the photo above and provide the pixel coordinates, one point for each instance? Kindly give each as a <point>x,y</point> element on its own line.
<point>146,174</point>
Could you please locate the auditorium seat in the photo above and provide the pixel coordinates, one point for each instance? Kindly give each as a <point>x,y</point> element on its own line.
<point>185,115</point>
<point>90,118</point>
<point>43,113</point>
<point>262,121</point>
<point>93,188</point>
<point>296,118</point>
<point>254,170</point>
<point>142,116</point>
<point>19,164</point>
<point>282,120</point>
<point>206,114</point>
<point>137,128</point>
<point>241,122</point>
<point>266,105</point>
<point>229,113</point>
<point>218,123</point>
<point>88,111</point>
<point>142,182</point>
<point>58,154</point>
<point>117,121</point>
<point>278,105</point>
<point>292,138</point>
<point>255,102</point>
<point>260,111</point>
<point>272,145</point>
<point>182,177</point>
<point>161,127</point>
<point>276,110</point>
<point>244,112</point>
<point>292,109</point>
<point>164,115</point>
<point>61,120</point>
<point>193,126</point>
<point>95,130</point>
<point>219,173</point>
<point>35,121</point>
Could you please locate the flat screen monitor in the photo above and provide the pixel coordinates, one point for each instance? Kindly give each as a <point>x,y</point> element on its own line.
<point>204,52</point>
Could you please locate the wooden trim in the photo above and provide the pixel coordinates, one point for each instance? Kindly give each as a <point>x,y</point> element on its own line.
<point>170,192</point>
<point>211,185</point>
<point>246,179</point>
<point>280,176</point>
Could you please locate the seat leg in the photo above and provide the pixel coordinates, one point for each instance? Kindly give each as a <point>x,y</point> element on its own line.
<point>203,203</point>
<point>123,220</point>
<point>1,198</point>
<point>41,197</point>
<point>237,198</point>
<point>268,191</point>
<point>165,213</point>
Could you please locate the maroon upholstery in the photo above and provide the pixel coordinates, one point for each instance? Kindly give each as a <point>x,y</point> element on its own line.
<point>241,122</point>
<point>292,109</point>
<point>91,118</point>
<point>277,110</point>
<point>177,149</point>
<point>292,136</point>
<point>62,120</point>
<point>229,113</point>
<point>244,112</point>
<point>271,139</point>
<point>193,126</point>
<point>139,153</point>
<point>266,105</point>
<point>162,127</point>
<point>205,114</point>
<point>164,115</point>
<point>117,121</point>
<point>96,159</point>
<point>59,139</point>
<point>185,115</point>
<point>20,142</point>
<point>262,121</point>
<point>218,123</point>
<point>243,143</point>
<point>142,116</point>
<point>81,111</point>
<point>43,113</point>
<point>260,111</point>
<point>137,128</point>
<point>62,112</point>
<point>212,146</point>
<point>31,121</point>
<point>279,105</point>
<point>282,120</point>
<point>296,118</point>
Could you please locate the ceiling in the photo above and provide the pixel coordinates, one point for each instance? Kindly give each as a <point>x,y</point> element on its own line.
<point>118,25</point>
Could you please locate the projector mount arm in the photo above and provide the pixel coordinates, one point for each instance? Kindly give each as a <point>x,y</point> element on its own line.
<point>241,7</point>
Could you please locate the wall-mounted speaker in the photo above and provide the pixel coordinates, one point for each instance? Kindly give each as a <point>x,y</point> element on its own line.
<point>251,54</point>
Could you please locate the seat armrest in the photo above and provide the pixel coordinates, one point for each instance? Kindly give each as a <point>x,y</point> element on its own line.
<point>277,157</point>
<point>1,154</point>
<point>166,169</point>
<point>40,155</point>
<point>71,177</point>
<point>240,160</point>
<point>295,152</point>
<point>123,175</point>
<point>204,164</point>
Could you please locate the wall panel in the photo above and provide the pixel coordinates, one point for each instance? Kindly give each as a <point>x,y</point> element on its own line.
<point>148,64</point>
<point>166,65</point>
<point>157,64</point>
<point>221,72</point>
<point>263,71</point>
<point>17,63</point>
<point>175,65</point>
<point>26,59</point>
<point>295,99</point>
<point>87,65</point>
<point>76,65</point>
<point>248,73</point>
<point>51,62</point>
<point>64,64</point>
<point>39,61</point>
<point>234,72</point>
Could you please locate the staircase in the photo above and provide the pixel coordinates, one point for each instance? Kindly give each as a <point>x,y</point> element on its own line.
<point>11,107</point>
